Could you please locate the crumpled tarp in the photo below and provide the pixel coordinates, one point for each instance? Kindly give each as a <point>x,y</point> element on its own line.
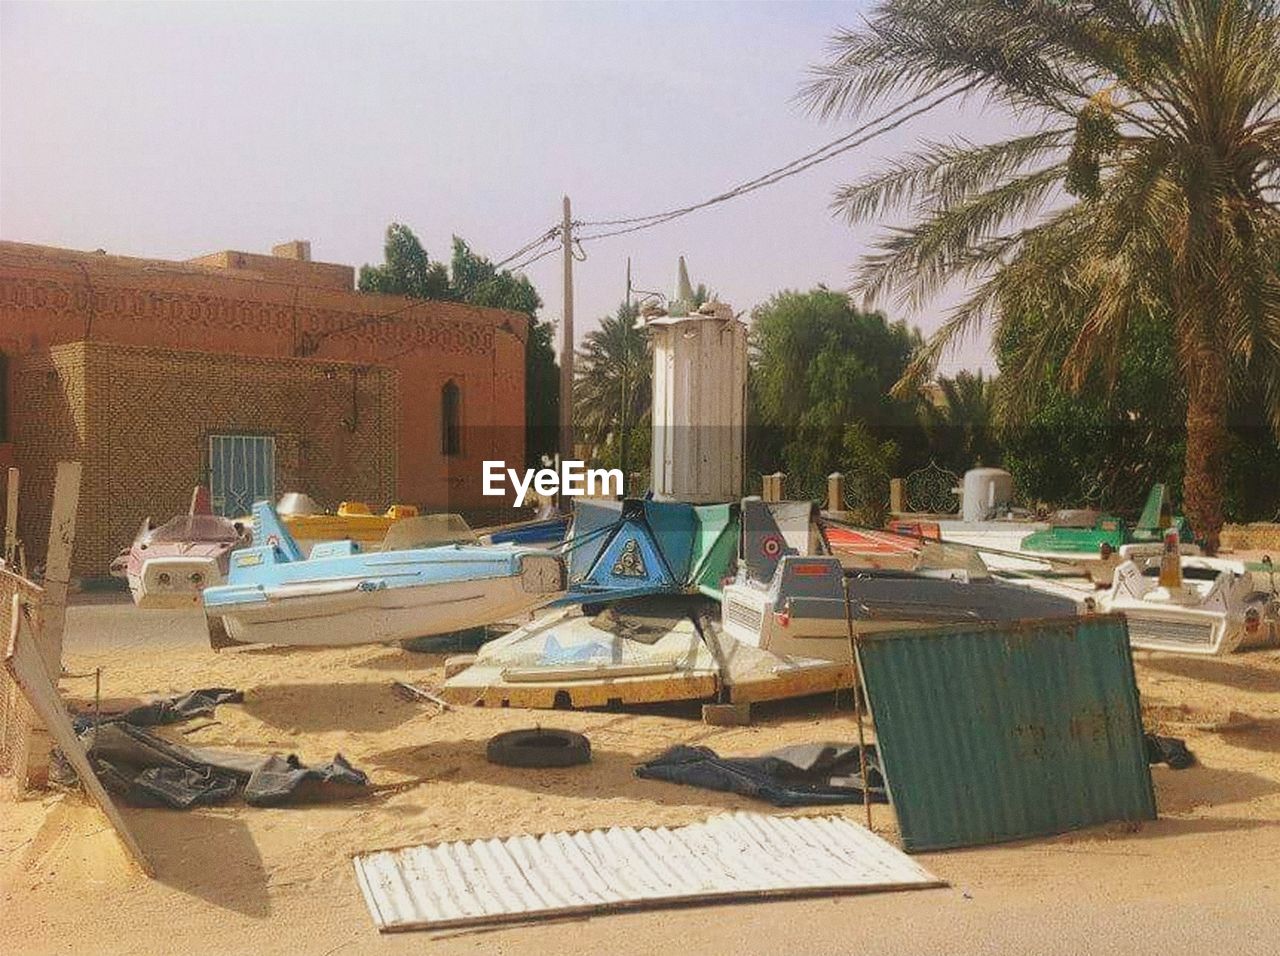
<point>1170,750</point>
<point>816,774</point>
<point>147,770</point>
<point>170,710</point>
<point>288,780</point>
<point>801,775</point>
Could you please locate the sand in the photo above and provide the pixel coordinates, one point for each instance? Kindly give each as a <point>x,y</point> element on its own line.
<point>235,878</point>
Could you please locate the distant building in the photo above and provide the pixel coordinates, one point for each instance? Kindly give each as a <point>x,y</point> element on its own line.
<point>255,374</point>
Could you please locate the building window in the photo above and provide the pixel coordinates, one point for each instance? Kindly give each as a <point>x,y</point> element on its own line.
<point>242,470</point>
<point>451,419</point>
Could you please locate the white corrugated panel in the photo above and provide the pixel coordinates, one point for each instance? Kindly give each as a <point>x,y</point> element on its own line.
<point>730,856</point>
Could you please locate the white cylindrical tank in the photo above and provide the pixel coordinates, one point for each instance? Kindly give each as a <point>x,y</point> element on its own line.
<point>699,405</point>
<point>987,493</point>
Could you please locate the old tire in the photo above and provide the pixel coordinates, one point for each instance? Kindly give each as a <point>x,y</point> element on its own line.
<point>541,747</point>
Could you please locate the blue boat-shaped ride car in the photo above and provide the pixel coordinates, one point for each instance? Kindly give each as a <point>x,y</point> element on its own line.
<point>340,595</point>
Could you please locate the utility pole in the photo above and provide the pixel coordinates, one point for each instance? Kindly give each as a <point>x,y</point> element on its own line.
<point>566,349</point>
<point>626,364</point>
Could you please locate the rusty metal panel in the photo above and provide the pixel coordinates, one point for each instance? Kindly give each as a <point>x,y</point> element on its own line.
<point>1003,731</point>
<point>728,857</point>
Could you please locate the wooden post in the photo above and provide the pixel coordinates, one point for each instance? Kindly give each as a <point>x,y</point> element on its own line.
<point>897,497</point>
<point>835,492</point>
<point>53,609</point>
<point>11,520</point>
<point>57,565</point>
<point>773,486</point>
<point>857,697</point>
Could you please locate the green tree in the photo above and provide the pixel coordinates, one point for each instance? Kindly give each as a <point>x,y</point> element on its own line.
<point>408,270</point>
<point>1108,443</point>
<point>613,391</point>
<point>1105,444</point>
<point>471,278</point>
<point>1148,185</point>
<point>821,373</point>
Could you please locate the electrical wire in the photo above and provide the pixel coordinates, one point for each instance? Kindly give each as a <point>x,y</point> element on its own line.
<point>814,158</point>
<point>528,262</point>
<point>529,246</point>
<point>760,180</point>
<point>854,138</point>
<point>840,145</point>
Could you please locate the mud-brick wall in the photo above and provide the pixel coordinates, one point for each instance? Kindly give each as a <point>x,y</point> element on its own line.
<point>273,307</point>
<point>49,421</point>
<point>147,415</point>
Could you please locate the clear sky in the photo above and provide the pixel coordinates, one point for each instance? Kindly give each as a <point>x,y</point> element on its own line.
<point>171,130</point>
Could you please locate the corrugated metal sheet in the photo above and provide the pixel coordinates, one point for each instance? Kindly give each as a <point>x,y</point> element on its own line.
<point>730,856</point>
<point>991,733</point>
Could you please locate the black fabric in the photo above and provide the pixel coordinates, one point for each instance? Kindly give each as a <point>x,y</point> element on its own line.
<point>147,770</point>
<point>180,787</point>
<point>288,780</point>
<point>171,710</point>
<point>804,775</point>
<point>1170,750</point>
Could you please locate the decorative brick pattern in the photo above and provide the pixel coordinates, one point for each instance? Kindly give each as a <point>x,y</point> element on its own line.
<point>50,423</point>
<point>139,419</point>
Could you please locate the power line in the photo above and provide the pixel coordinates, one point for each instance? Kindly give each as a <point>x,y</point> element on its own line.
<point>528,262</point>
<point>842,144</point>
<point>529,246</point>
<point>760,180</point>
<point>836,147</point>
<point>814,158</point>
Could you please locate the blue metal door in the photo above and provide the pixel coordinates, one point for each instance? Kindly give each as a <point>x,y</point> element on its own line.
<point>242,470</point>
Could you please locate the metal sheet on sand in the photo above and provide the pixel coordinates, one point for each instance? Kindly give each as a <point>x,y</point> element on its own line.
<point>731,856</point>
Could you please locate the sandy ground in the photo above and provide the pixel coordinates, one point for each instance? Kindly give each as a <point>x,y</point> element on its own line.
<point>237,879</point>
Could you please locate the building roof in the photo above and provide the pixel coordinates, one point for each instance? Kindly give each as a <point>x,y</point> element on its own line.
<point>248,276</point>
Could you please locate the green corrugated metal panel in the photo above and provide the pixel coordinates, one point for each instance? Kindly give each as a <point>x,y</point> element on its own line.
<point>991,733</point>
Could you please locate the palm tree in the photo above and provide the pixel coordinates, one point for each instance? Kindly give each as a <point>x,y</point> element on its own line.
<point>960,423</point>
<point>1148,182</point>
<point>612,394</point>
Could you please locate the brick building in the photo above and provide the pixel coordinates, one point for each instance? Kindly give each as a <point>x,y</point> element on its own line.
<point>256,374</point>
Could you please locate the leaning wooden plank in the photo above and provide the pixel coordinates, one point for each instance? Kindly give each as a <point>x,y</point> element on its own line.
<point>732,856</point>
<point>11,518</point>
<point>24,664</point>
<point>57,568</point>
